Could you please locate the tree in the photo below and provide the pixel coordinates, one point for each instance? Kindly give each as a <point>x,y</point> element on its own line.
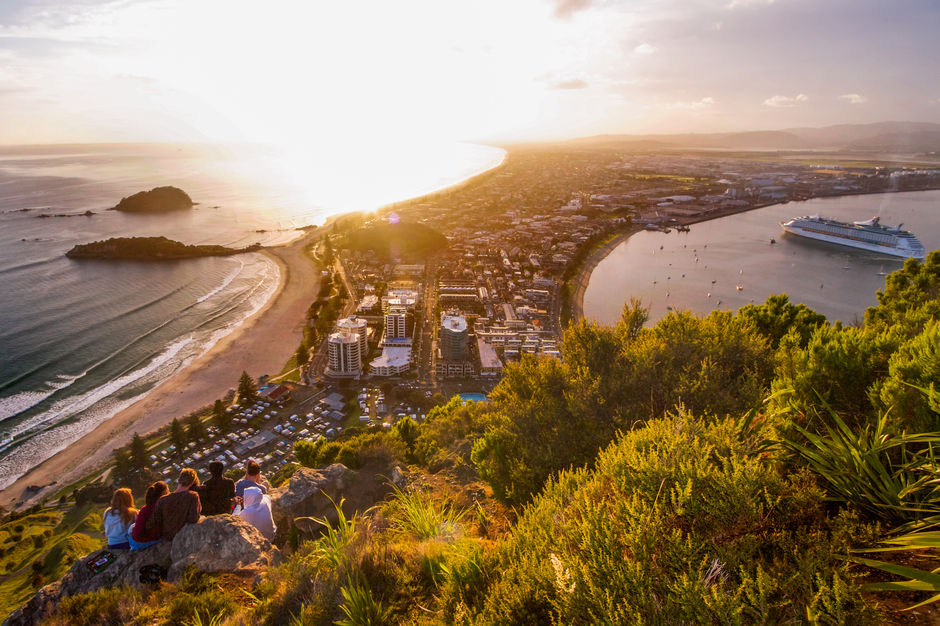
<point>138,453</point>
<point>308,452</point>
<point>407,430</point>
<point>302,356</point>
<point>177,434</point>
<point>220,417</point>
<point>247,391</point>
<point>778,316</point>
<point>122,464</point>
<point>197,430</point>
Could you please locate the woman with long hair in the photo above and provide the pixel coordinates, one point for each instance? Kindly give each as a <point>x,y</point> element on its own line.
<point>119,518</point>
<point>141,537</point>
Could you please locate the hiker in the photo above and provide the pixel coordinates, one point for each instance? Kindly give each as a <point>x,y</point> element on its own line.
<point>257,512</point>
<point>142,537</point>
<point>181,507</point>
<point>252,478</point>
<point>218,492</point>
<point>119,518</point>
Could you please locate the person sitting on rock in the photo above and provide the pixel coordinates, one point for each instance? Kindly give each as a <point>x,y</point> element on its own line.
<point>181,507</point>
<point>119,518</point>
<point>253,478</point>
<point>218,492</point>
<point>257,512</point>
<point>142,537</point>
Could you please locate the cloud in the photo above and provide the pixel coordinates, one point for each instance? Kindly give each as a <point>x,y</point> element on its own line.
<point>644,48</point>
<point>697,105</point>
<point>574,83</point>
<point>785,101</point>
<point>566,8</point>
<point>853,98</point>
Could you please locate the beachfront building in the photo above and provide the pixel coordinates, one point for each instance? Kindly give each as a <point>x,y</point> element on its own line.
<point>358,326</point>
<point>454,337</point>
<point>395,359</point>
<point>345,354</point>
<point>398,323</point>
<point>490,365</point>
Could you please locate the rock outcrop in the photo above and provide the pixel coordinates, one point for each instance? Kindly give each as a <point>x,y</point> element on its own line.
<point>308,495</point>
<point>217,544</point>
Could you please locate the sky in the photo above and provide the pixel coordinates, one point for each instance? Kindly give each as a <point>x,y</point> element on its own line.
<point>302,71</point>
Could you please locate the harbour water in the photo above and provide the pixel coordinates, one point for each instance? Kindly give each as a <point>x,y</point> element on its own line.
<point>729,262</point>
<point>82,339</point>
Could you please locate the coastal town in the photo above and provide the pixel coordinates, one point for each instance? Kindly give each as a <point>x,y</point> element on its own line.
<point>416,328</point>
<point>518,241</point>
<point>459,283</point>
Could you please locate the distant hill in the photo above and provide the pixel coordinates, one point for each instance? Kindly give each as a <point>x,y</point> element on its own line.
<point>148,249</point>
<point>404,240</point>
<point>905,137</point>
<point>157,200</point>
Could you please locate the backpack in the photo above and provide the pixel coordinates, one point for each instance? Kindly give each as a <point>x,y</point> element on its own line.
<point>152,574</point>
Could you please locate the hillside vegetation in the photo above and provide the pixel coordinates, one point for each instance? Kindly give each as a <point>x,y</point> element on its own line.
<point>404,240</point>
<point>732,468</point>
<point>149,249</point>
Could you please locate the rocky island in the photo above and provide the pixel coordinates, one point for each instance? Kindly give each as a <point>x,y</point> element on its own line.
<point>157,200</point>
<point>149,249</point>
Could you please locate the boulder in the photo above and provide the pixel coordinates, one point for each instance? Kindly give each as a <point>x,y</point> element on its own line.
<point>123,571</point>
<point>221,543</point>
<point>306,494</point>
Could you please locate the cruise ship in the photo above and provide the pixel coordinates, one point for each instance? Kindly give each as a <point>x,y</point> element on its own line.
<point>867,235</point>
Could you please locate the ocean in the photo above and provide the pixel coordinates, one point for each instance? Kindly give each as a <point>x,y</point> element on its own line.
<point>82,339</point>
<point>701,271</point>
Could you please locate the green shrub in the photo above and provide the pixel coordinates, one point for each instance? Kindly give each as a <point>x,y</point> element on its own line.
<point>107,607</point>
<point>680,522</point>
<point>360,607</point>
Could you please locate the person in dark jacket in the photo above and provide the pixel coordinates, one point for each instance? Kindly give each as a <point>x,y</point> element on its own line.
<point>217,493</point>
<point>181,507</point>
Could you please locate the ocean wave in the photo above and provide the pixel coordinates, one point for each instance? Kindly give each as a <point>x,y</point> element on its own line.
<point>28,264</point>
<point>225,283</point>
<point>53,430</point>
<point>11,406</point>
<point>68,407</point>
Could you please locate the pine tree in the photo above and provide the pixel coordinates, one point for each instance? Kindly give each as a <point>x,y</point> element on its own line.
<point>138,453</point>
<point>220,418</point>
<point>302,355</point>
<point>247,391</point>
<point>177,435</point>
<point>197,430</point>
<point>122,463</point>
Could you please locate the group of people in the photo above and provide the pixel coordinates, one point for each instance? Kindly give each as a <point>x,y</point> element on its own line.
<point>165,513</point>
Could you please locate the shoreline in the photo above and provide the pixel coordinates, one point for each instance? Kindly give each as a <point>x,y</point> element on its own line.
<point>259,344</point>
<point>582,279</point>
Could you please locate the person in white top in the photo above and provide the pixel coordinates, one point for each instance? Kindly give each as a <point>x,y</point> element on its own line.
<point>119,519</point>
<point>257,512</point>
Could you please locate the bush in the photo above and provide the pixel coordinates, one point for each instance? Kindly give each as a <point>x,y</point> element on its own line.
<point>107,607</point>
<point>680,522</point>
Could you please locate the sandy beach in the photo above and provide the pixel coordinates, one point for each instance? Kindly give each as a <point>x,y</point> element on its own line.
<point>261,344</point>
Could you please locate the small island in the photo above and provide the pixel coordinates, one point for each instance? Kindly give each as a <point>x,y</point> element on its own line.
<point>157,200</point>
<point>150,249</point>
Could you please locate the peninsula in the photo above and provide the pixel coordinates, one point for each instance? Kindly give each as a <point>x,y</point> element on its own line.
<point>157,200</point>
<point>149,249</point>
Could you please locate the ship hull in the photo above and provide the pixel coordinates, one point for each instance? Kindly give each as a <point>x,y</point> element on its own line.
<point>852,243</point>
